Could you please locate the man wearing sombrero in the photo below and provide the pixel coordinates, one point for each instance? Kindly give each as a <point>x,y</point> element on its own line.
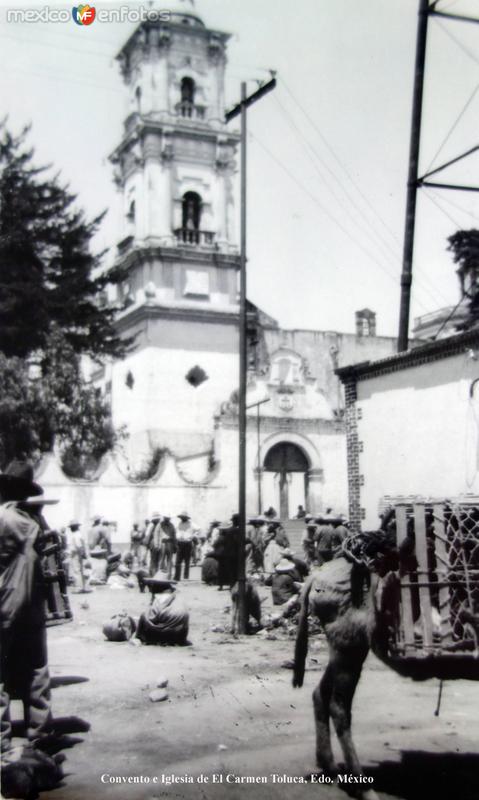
<point>24,666</point>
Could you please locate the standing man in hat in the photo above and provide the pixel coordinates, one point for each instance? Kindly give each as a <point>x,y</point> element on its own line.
<point>168,545</point>
<point>79,556</point>
<point>329,537</point>
<point>308,543</point>
<point>257,545</point>
<point>153,542</point>
<point>24,664</point>
<point>184,544</point>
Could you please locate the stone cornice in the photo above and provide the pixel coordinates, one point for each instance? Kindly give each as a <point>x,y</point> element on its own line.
<point>322,427</point>
<point>175,27</point>
<point>185,255</point>
<point>173,125</point>
<point>187,314</point>
<point>424,354</point>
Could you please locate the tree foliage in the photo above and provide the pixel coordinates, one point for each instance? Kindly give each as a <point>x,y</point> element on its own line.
<point>48,275</point>
<point>46,401</point>
<point>464,246</point>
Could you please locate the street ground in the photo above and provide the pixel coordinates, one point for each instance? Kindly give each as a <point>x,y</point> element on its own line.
<point>231,710</point>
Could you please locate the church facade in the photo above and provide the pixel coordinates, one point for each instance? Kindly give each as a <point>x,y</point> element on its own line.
<point>176,391</point>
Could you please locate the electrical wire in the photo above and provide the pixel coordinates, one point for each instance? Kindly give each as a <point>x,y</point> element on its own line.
<point>453,127</point>
<point>311,149</point>
<point>449,316</point>
<point>447,200</point>
<point>339,162</point>
<point>428,289</point>
<point>56,46</point>
<point>443,211</point>
<point>330,216</point>
<point>55,77</point>
<point>457,41</point>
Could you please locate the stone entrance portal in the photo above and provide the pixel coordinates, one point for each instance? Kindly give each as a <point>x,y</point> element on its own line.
<point>290,468</point>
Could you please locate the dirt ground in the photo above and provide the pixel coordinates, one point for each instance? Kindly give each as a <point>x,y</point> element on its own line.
<point>231,711</point>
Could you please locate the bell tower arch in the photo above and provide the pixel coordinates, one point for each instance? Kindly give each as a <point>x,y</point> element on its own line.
<point>174,168</point>
<point>175,145</point>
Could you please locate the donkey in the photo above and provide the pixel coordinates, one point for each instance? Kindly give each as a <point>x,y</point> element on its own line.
<point>356,611</point>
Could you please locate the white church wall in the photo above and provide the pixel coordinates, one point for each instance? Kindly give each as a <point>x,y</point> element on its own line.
<point>113,496</point>
<point>419,432</point>
<point>162,398</point>
<point>158,182</point>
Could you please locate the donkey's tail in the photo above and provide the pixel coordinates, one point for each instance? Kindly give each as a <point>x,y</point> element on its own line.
<point>301,647</point>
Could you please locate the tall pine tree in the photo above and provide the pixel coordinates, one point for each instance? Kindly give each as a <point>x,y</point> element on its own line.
<point>48,274</point>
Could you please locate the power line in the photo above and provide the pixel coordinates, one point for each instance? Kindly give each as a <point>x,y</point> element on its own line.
<point>457,41</point>
<point>443,211</point>
<point>454,126</point>
<point>55,77</point>
<point>427,287</point>
<point>328,214</point>
<point>448,201</point>
<point>55,46</point>
<point>340,163</point>
<point>310,147</point>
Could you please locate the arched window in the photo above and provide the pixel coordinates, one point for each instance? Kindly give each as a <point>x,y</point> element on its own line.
<point>138,99</point>
<point>131,212</point>
<point>187,90</point>
<point>191,215</point>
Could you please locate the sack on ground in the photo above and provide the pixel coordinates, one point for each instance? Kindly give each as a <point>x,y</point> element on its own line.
<point>119,628</point>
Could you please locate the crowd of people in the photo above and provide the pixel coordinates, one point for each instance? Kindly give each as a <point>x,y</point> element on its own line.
<point>159,555</point>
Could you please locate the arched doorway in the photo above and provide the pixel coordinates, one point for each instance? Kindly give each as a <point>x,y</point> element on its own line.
<point>290,467</point>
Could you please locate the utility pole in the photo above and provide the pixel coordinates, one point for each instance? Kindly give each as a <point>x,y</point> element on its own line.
<point>412,183</point>
<point>415,182</point>
<point>241,109</point>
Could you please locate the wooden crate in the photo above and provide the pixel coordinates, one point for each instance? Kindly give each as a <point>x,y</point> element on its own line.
<point>438,542</point>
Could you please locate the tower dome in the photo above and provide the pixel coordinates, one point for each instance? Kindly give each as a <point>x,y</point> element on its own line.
<point>184,12</point>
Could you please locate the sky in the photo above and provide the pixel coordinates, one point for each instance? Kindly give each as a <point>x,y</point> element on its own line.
<point>327,149</point>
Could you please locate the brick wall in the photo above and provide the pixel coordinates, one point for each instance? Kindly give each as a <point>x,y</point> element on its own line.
<point>352,448</point>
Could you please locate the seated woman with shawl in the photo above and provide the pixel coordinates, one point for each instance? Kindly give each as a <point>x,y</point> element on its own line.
<point>166,620</point>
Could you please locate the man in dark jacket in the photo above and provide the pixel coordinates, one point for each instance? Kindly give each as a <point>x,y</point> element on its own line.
<point>24,665</point>
<point>168,545</point>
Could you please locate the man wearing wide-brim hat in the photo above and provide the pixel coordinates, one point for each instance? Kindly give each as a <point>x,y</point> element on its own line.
<point>256,536</point>
<point>329,536</point>
<point>153,542</point>
<point>185,533</point>
<point>285,586</point>
<point>24,664</point>
<point>308,542</point>
<point>79,556</point>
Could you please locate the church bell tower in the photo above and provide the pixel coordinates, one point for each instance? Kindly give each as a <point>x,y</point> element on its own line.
<point>174,168</point>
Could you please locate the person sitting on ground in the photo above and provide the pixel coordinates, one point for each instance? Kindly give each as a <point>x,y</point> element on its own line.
<point>209,568</point>
<point>301,513</point>
<point>270,513</point>
<point>281,535</point>
<point>272,554</point>
<point>286,584</point>
<point>167,619</point>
